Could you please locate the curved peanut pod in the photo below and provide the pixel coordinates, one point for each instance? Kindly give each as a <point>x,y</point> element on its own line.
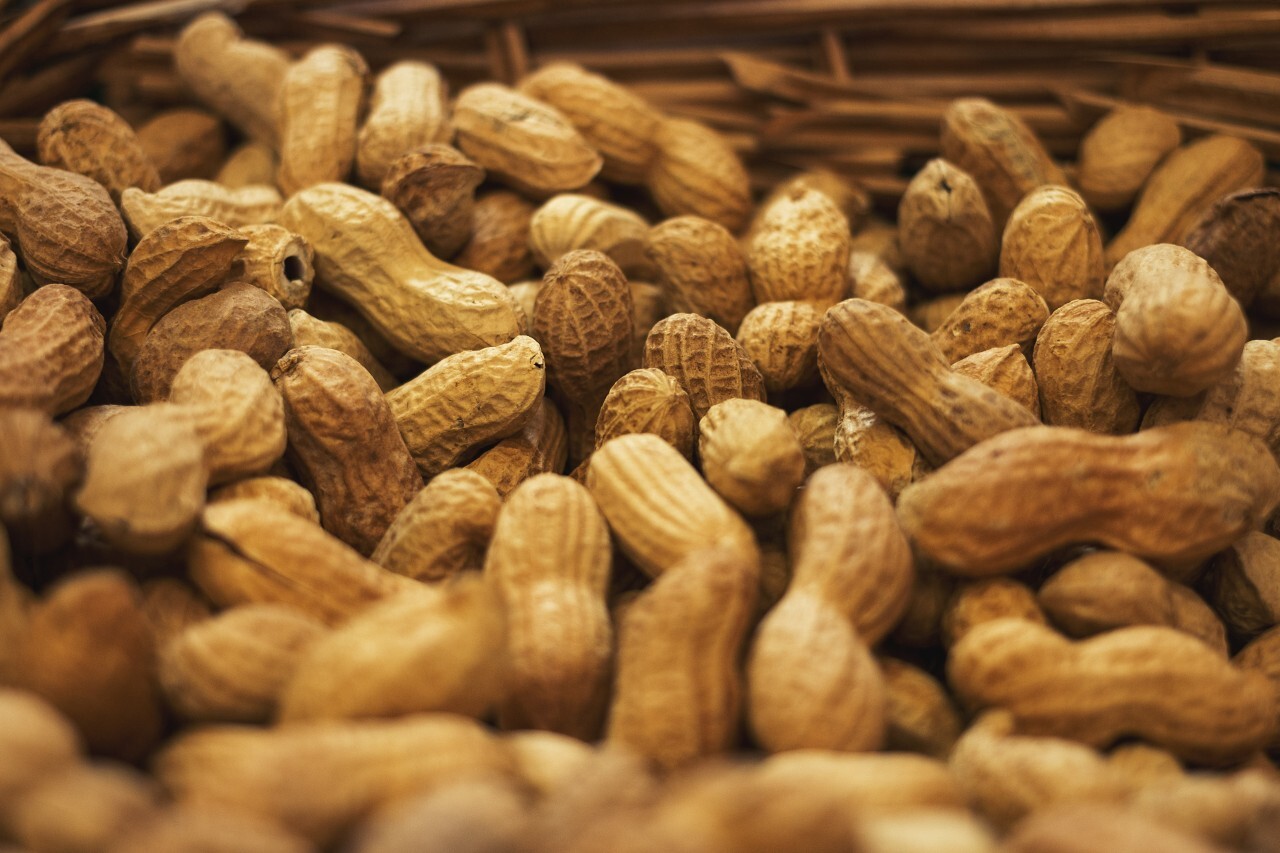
<point>255,204</point>
<point>51,350</point>
<point>893,368</point>
<point>1172,495</point>
<point>444,530</point>
<point>321,98</point>
<point>368,254</point>
<point>678,690</point>
<point>549,562</point>
<point>1152,682</point>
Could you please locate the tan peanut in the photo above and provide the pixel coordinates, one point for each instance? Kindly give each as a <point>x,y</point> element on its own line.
<point>444,530</point>
<point>277,261</point>
<point>540,447</point>
<point>865,439</point>
<point>1076,374</point>
<point>1243,584</point>
<point>1002,311</point>
<point>799,249</point>
<point>283,493</point>
<point>973,603</point>
<point>11,284</point>
<point>38,741</point>
<point>183,259</point>
<point>872,279</point>
<point>232,668</point>
<point>39,470</point>
<point>1178,330</point>
<point>851,573</point>
<point>616,122</point>
<point>854,201</point>
<point>658,507</point>
<point>250,551</point>
<point>1001,153</point>
<point>83,807</point>
<point>1106,590</point>
<point>434,186</point>
<point>239,78</point>
<point>1202,487</point>
<point>570,221</point>
<point>368,254</point>
<point>255,204</point>
<point>1150,681</point>
<point>430,648</point>
<point>898,372</point>
<point>948,238</point>
<point>1006,370</point>
<point>408,108</point>
<point>252,163</point>
<point>678,691</point>
<point>51,350</point>
<point>920,714</point>
<point>468,400</point>
<point>87,138</point>
<point>549,563</point>
<point>64,226</point>
<point>867,783</point>
<point>1052,243</point>
<point>702,269</point>
<point>707,362</point>
<point>184,143</point>
<point>648,400</point>
<point>171,607</point>
<point>781,339</point>
<point>525,143</point>
<point>499,244</point>
<point>1120,152</point>
<point>312,331</point>
<point>750,456</point>
<point>1182,188</point>
<point>697,172</point>
<point>815,427</point>
<point>321,98</point>
<point>344,440</point>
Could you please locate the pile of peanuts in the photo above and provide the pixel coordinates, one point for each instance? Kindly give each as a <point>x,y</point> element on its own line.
<point>696,522</point>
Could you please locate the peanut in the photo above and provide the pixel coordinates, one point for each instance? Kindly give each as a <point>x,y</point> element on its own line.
<point>799,249</point>
<point>444,530</point>
<point>285,494</point>
<point>919,711</point>
<point>1002,311</point>
<point>570,221</point>
<point>184,143</point>
<point>750,456</point>
<point>321,98</point>
<point>408,108</point>
<point>312,331</point>
<point>701,268</point>
<point>84,807</point>
<point>948,239</point>
<point>974,603</point>
<point>277,261</point>
<point>434,186</point>
<point>781,339</point>
<point>251,163</point>
<point>499,244</point>
<point>254,204</point>
<point>540,447</point>
<point>707,362</point>
<point>39,471</point>
<point>1075,371</point>
<point>1053,244</point>
<point>89,139</point>
<point>1006,370</point>
<point>648,400</point>
<point>1231,238</point>
<point>1243,584</point>
<point>697,172</point>
<point>815,427</point>
<point>1120,152</point>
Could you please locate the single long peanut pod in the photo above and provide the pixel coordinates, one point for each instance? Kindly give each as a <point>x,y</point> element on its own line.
<point>948,239</point>
<point>658,506</point>
<point>321,98</point>
<point>799,249</point>
<point>1076,373</point>
<point>51,350</point>
<point>250,551</point>
<point>705,359</point>
<point>85,137</point>
<point>540,447</point>
<point>468,400</point>
<point>255,204</point>
<point>368,254</point>
<point>182,259</point>
<point>697,172</point>
<point>525,143</point>
<point>320,779</point>
<point>444,530</point>
<point>619,124</point>
<point>429,648</point>
<point>314,332</point>
<point>1202,486</point>
<point>702,269</point>
<point>678,690</point>
<point>145,479</point>
<point>1178,330</point>
<point>1183,188</point>
<point>240,78</point>
<point>344,440</point>
<point>648,400</point>
<point>277,261</point>
<point>1001,153</point>
<point>549,563</point>
<point>1052,243</point>
<point>1153,682</point>
<point>408,108</point>
<point>893,367</point>
<point>750,455</point>
<point>232,668</point>
<point>65,226</point>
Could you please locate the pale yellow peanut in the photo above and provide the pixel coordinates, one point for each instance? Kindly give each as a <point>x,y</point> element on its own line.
<point>321,98</point>
<point>571,221</point>
<point>799,249</point>
<point>750,455</point>
<point>408,108</point>
<point>254,204</point>
<point>701,268</point>
<point>1052,243</point>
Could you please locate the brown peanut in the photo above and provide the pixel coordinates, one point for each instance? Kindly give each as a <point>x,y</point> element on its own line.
<point>799,249</point>
<point>1243,584</point>
<point>499,244</point>
<point>1003,311</point>
<point>184,143</point>
<point>1006,370</point>
<point>1052,243</point>
<point>697,172</point>
<point>1120,152</point>
<point>444,530</point>
<point>750,456</point>
<point>540,447</point>
<point>277,261</point>
<point>707,362</point>
<point>1076,374</point>
<point>948,239</point>
<point>87,138</point>
<point>434,186</point>
<point>1233,238</point>
<point>702,269</point>
<point>51,350</point>
<point>781,339</point>
<point>312,331</point>
<point>39,470</point>
<point>648,400</point>
<point>254,204</point>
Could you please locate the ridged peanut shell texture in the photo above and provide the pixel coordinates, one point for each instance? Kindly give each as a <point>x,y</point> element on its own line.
<point>799,249</point>
<point>444,530</point>
<point>255,204</point>
<point>702,269</point>
<point>525,143</point>
<point>51,350</point>
<point>1152,682</point>
<point>408,108</point>
<point>84,137</point>
<point>572,221</point>
<point>1235,238</point>
<point>550,562</point>
<point>321,98</point>
<point>368,253</point>
<point>1178,330</point>
<point>948,239</point>
<point>1120,152</point>
<point>750,455</point>
<point>781,339</point>
<point>697,172</point>
<point>893,367</point>
<point>344,440</point>
<point>1001,312</point>
<point>648,400</point>
<point>467,401</point>
<point>1001,153</point>
<point>1173,495</point>
<point>619,124</point>
<point>434,186</point>
<point>705,359</point>
<point>1052,242</point>
<point>1076,374</point>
